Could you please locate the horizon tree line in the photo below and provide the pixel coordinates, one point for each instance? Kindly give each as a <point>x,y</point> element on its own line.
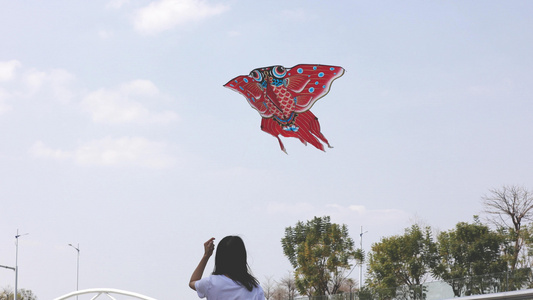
<point>322,254</point>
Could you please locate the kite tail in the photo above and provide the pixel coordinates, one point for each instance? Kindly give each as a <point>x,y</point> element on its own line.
<point>308,130</point>
<point>272,127</point>
<point>311,122</point>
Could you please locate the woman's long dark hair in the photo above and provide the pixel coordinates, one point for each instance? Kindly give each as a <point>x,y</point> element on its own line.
<point>230,260</point>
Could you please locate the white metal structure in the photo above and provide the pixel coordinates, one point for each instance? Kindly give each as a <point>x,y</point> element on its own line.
<point>515,295</point>
<point>104,291</point>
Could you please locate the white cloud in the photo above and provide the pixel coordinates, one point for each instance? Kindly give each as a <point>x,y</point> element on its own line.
<point>167,14</point>
<point>105,34</point>
<point>33,84</point>
<point>294,14</point>
<point>123,104</point>
<point>39,149</point>
<point>116,4</point>
<point>303,211</point>
<point>496,88</point>
<point>125,151</point>
<point>379,222</point>
<point>234,33</point>
<point>357,208</point>
<point>35,79</point>
<point>284,208</point>
<point>140,87</point>
<point>276,207</point>
<point>4,107</point>
<point>8,68</point>
<point>55,82</point>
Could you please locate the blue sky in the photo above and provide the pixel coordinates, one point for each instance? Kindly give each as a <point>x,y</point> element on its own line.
<point>116,132</point>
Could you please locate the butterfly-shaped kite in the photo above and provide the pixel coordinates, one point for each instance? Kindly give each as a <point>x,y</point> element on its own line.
<point>283,97</point>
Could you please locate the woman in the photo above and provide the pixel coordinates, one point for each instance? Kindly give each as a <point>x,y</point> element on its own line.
<point>231,278</point>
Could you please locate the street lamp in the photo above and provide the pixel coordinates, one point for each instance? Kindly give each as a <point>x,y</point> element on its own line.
<point>361,264</point>
<point>16,261</point>
<point>11,268</point>
<point>77,267</point>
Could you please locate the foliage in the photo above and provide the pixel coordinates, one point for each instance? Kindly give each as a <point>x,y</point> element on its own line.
<point>7,293</point>
<point>284,289</point>
<point>268,287</point>
<point>402,260</point>
<point>320,253</point>
<point>510,206</point>
<point>521,274</point>
<point>366,294</point>
<point>525,261</point>
<point>469,250</point>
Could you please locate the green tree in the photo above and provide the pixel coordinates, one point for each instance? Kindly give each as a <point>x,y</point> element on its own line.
<point>522,276</point>
<point>320,253</point>
<point>526,260</point>
<point>466,253</point>
<point>402,260</point>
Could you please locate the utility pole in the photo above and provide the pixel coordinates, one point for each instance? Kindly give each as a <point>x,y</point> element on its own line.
<point>16,262</point>
<point>361,263</point>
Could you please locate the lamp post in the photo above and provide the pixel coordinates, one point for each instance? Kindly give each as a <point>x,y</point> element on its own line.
<point>361,264</point>
<point>77,267</point>
<point>16,261</point>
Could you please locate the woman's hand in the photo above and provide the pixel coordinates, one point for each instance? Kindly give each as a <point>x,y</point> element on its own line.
<point>209,247</point>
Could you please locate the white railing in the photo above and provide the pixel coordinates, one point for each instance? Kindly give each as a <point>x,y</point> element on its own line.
<point>515,295</point>
<point>104,291</point>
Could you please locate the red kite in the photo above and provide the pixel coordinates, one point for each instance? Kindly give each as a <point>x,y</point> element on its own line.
<point>283,97</point>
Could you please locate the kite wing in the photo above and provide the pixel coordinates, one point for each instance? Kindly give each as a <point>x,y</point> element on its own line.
<point>252,91</point>
<point>317,84</point>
